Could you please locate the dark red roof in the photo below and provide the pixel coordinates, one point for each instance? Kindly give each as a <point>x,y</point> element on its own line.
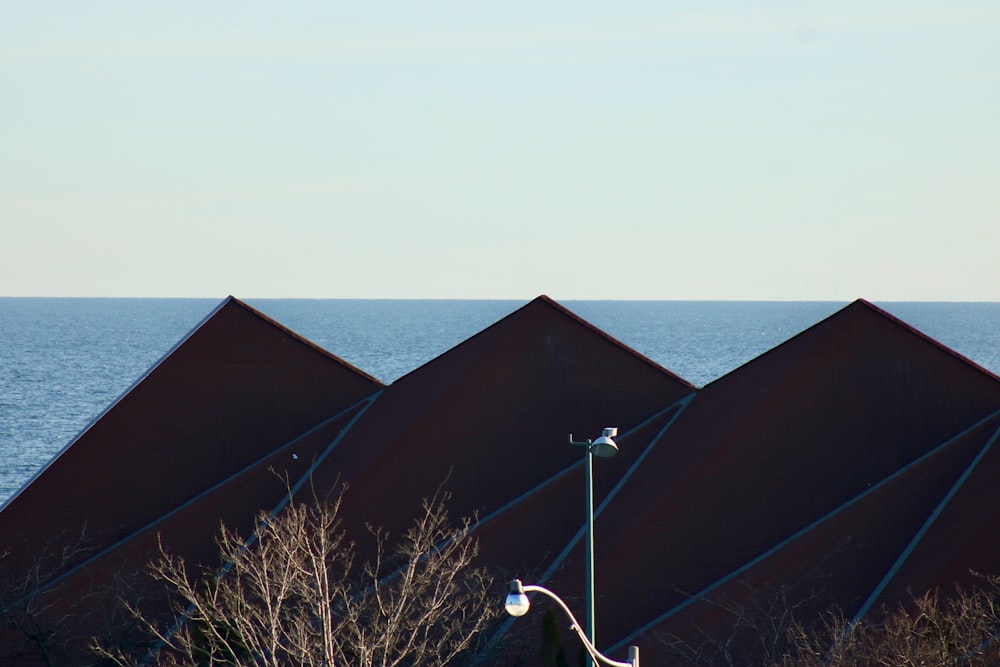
<point>237,387</point>
<point>860,446</point>
<point>773,447</point>
<point>489,419</point>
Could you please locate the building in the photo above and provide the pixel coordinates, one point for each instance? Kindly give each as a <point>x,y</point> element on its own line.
<point>859,451</point>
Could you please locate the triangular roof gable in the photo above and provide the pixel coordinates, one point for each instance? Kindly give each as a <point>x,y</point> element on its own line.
<point>503,400</point>
<point>846,318</point>
<point>840,406</point>
<point>544,301</point>
<point>933,341</point>
<point>859,372</point>
<point>234,388</point>
<point>351,368</point>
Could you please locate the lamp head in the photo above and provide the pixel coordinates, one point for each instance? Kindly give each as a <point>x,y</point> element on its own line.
<point>604,446</point>
<point>517,603</point>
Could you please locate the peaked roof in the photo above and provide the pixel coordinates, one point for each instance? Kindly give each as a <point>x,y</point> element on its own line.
<point>234,389</point>
<point>503,400</point>
<point>773,447</point>
<point>533,371</point>
<point>860,447</point>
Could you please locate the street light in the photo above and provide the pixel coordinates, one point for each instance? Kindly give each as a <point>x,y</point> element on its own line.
<point>517,604</point>
<point>604,447</point>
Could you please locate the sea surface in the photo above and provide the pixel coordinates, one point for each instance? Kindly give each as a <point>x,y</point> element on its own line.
<point>64,361</point>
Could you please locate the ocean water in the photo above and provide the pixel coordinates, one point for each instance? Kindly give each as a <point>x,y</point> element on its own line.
<point>63,361</point>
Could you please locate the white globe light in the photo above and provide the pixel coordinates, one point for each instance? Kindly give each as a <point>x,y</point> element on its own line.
<point>517,604</point>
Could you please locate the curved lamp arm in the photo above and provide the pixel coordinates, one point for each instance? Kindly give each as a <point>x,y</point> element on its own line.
<point>517,605</point>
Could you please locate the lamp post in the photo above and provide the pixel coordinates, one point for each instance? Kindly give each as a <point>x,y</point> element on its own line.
<point>603,447</point>
<point>517,604</point>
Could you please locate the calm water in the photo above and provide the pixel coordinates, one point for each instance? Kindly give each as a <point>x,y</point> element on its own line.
<point>63,361</point>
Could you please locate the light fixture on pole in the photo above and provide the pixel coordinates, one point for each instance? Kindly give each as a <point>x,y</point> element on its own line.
<point>604,447</point>
<point>517,604</point>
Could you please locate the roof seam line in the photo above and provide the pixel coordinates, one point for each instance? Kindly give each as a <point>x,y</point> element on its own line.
<point>931,519</point>
<point>800,533</point>
<point>679,405</point>
<point>565,471</point>
<point>128,390</point>
<point>340,436</point>
<point>252,538</point>
<point>199,496</point>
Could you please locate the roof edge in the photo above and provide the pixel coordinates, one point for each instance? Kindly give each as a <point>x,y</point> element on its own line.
<point>305,341</point>
<point>548,301</point>
<point>860,302</point>
<point>604,334</point>
<point>156,364</point>
<point>118,399</point>
<point>930,339</point>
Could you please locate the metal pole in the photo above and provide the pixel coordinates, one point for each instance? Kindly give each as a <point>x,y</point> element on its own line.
<point>519,607</point>
<point>590,550</point>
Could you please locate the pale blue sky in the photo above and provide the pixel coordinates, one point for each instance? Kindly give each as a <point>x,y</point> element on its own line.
<point>586,150</point>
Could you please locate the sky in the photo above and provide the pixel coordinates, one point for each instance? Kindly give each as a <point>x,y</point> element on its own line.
<point>806,150</point>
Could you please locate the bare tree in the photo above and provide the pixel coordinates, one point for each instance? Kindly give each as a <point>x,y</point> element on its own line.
<point>750,629</point>
<point>749,623</point>
<point>293,595</point>
<point>34,622</point>
<point>931,631</point>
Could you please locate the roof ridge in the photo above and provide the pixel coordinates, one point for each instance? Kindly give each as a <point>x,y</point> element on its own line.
<point>563,310</point>
<point>773,350</point>
<point>118,399</point>
<point>604,334</point>
<point>868,305</point>
<point>302,339</point>
<point>927,337</point>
